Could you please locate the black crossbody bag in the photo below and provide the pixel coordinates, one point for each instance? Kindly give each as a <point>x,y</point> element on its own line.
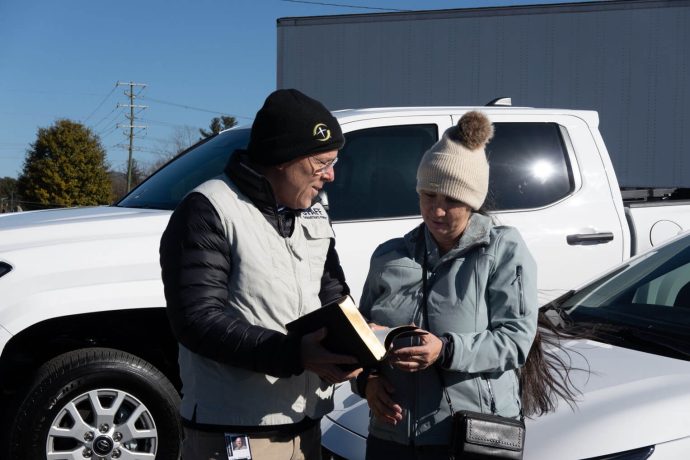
<point>475,435</point>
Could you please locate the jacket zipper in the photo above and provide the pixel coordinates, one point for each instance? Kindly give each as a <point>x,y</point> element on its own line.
<point>518,279</point>
<point>297,280</point>
<point>411,413</point>
<point>307,378</point>
<point>418,319</point>
<point>491,395</point>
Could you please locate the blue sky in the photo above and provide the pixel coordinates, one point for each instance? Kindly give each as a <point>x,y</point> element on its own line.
<point>198,58</point>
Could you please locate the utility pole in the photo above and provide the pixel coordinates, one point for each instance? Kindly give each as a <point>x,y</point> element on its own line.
<point>131,125</point>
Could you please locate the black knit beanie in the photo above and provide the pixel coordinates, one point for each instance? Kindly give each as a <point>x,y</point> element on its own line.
<point>290,125</point>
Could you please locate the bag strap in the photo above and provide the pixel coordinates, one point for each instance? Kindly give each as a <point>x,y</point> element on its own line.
<point>425,322</point>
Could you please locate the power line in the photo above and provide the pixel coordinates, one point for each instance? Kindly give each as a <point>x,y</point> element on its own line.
<point>52,92</point>
<point>101,103</point>
<point>344,6</point>
<point>141,149</point>
<point>107,128</point>
<point>160,139</point>
<point>33,114</point>
<point>107,131</point>
<point>108,116</point>
<point>163,123</point>
<point>193,108</point>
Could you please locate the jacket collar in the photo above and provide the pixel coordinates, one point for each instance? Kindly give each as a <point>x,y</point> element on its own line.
<point>253,184</point>
<point>477,233</point>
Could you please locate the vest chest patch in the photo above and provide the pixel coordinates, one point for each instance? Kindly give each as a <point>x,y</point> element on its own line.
<point>314,213</point>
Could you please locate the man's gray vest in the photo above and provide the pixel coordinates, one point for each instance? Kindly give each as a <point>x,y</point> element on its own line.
<point>273,280</point>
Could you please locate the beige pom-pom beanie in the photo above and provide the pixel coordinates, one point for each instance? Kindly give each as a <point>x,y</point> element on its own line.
<point>456,165</point>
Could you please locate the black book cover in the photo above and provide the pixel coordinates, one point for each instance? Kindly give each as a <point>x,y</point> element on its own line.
<point>348,331</point>
<point>350,334</point>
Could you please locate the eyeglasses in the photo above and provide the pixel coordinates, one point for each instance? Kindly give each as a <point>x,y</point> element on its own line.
<point>322,166</point>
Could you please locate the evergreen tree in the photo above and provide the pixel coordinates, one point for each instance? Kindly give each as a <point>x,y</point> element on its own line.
<point>66,166</point>
<point>217,125</point>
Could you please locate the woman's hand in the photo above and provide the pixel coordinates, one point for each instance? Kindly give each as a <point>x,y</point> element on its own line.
<point>413,359</point>
<point>378,393</point>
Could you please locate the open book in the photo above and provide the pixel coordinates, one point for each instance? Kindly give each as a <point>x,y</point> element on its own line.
<point>349,333</point>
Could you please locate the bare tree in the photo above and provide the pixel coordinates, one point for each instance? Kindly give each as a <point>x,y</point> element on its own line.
<point>180,140</point>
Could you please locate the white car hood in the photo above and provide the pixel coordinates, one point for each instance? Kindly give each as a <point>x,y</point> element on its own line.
<point>630,400</point>
<point>54,226</point>
<point>79,260</point>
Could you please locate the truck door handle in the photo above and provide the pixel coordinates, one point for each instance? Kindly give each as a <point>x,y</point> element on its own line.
<point>589,238</point>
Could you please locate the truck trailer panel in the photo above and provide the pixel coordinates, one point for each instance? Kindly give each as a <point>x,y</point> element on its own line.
<point>629,60</point>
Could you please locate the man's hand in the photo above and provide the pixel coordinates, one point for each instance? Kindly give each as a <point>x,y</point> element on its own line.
<point>412,359</point>
<point>322,362</point>
<point>378,393</point>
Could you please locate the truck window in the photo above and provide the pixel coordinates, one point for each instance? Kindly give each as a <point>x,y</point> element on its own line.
<point>529,166</point>
<point>376,173</point>
<point>167,186</point>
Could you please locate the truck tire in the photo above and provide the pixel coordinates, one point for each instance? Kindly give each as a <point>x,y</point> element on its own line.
<point>98,403</point>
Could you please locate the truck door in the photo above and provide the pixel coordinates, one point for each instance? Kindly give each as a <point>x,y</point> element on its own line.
<point>548,179</point>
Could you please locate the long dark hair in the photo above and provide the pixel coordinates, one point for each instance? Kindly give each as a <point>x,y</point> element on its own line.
<point>546,374</point>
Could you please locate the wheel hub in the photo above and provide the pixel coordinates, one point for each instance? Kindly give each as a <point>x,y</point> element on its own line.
<point>103,445</point>
<point>103,422</point>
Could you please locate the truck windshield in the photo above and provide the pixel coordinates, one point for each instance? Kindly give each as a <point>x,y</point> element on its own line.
<point>166,187</point>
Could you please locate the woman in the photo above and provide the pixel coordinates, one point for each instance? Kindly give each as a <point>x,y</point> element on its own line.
<point>471,286</point>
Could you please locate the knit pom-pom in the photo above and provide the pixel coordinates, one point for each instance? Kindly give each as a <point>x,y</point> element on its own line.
<point>475,130</point>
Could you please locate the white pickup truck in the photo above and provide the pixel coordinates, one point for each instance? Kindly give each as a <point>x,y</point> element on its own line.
<point>87,361</point>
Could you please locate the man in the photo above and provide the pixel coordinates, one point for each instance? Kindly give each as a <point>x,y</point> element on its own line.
<point>243,255</point>
<point>238,443</point>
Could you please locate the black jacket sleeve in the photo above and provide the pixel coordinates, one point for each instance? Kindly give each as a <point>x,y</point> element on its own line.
<point>195,262</point>
<point>333,285</point>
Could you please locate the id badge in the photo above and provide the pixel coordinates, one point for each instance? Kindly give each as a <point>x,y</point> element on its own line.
<point>237,446</point>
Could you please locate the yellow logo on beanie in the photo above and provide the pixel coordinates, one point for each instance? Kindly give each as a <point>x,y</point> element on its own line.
<point>321,132</point>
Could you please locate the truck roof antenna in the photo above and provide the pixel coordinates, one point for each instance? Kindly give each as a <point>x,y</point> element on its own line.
<point>502,101</point>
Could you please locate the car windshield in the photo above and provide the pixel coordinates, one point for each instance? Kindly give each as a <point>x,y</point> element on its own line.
<point>644,303</point>
<point>167,186</point>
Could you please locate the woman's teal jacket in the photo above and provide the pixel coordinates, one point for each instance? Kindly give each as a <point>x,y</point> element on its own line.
<point>482,295</point>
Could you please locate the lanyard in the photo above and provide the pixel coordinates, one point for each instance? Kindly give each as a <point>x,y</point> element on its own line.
<point>425,316</point>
